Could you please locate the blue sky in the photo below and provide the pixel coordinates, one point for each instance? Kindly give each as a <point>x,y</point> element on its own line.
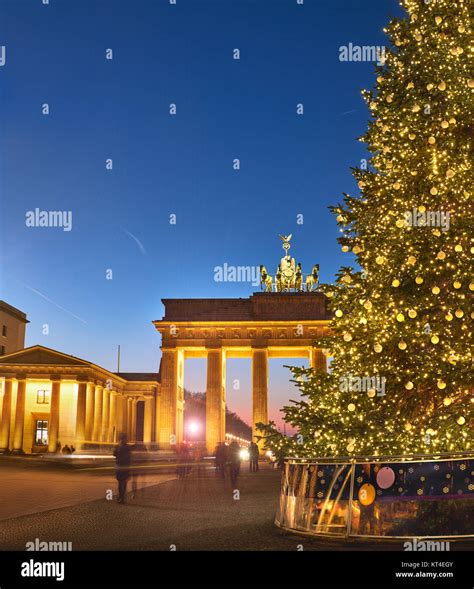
<point>163,165</point>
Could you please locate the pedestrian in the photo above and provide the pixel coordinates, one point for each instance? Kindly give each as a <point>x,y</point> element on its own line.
<point>253,455</point>
<point>234,460</point>
<point>183,461</point>
<point>123,459</point>
<point>58,446</point>
<point>221,459</point>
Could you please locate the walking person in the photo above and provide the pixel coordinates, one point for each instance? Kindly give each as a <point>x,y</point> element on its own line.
<point>123,459</point>
<point>234,459</point>
<point>253,454</point>
<point>221,459</point>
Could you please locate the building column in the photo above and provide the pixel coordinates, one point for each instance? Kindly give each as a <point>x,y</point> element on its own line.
<point>97,413</point>
<point>259,390</point>
<point>113,416</point>
<point>104,435</point>
<point>53,429</point>
<point>317,360</point>
<point>215,399</point>
<point>81,413</point>
<point>125,416</point>
<point>129,417</point>
<point>171,408</point>
<point>157,417</point>
<point>89,411</point>
<point>6,415</point>
<point>147,420</point>
<point>19,415</point>
<point>133,427</point>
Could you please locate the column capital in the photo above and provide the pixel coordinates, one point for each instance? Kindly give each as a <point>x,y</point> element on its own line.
<point>55,377</point>
<point>82,378</point>
<point>259,346</point>
<point>21,376</point>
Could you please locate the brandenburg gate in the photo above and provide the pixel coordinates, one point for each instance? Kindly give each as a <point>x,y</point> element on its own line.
<point>265,325</point>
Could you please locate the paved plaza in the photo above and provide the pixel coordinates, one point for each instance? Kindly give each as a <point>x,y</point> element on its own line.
<point>199,512</point>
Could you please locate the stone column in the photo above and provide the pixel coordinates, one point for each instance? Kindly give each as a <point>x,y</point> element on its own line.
<point>6,415</point>
<point>147,420</point>
<point>215,399</point>
<point>125,416</point>
<point>113,415</point>
<point>171,425</point>
<point>129,417</point>
<point>157,417</point>
<point>259,389</point>
<point>133,427</point>
<point>317,360</point>
<point>19,415</point>
<point>97,413</point>
<point>89,411</point>
<point>105,415</point>
<point>53,429</point>
<point>81,413</point>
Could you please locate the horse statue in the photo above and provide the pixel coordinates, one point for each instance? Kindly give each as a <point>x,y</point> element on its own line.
<point>299,278</point>
<point>278,282</point>
<point>266,281</point>
<point>312,279</point>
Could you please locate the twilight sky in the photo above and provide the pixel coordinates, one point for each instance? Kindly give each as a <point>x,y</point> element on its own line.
<point>172,164</point>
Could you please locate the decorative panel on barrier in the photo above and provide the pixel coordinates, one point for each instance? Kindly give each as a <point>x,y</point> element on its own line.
<point>399,497</point>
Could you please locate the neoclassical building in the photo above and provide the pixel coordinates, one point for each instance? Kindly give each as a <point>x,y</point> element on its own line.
<point>49,397</point>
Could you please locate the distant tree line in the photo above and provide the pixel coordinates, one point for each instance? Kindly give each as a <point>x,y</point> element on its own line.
<point>195,409</point>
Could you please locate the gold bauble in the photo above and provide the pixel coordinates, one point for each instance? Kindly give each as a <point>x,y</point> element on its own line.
<point>347,337</point>
<point>448,317</point>
<point>471,286</point>
<point>429,87</point>
<point>371,393</point>
<point>435,290</point>
<point>441,384</point>
<point>442,86</point>
<point>419,280</point>
<point>389,99</point>
<point>447,401</point>
<point>444,124</point>
<point>431,140</point>
<point>411,136</point>
<point>396,186</point>
<point>351,407</point>
<point>379,260</point>
<point>434,339</point>
<point>400,317</point>
<point>338,313</point>
<point>400,223</point>
<point>368,305</point>
<point>402,345</point>
<point>377,348</point>
<point>395,283</point>
<point>471,83</point>
<point>415,108</point>
<point>449,174</point>
<point>433,190</point>
<point>461,420</point>
<point>408,426</point>
<point>409,385</point>
<point>458,248</point>
<point>422,208</point>
<point>457,284</point>
<point>412,313</point>
<point>459,313</point>
<point>441,255</point>
<point>356,249</point>
<point>461,29</point>
<point>345,248</point>
<point>411,260</point>
<point>438,20</point>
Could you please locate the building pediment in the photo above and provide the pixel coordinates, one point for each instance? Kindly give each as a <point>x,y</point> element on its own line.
<point>39,355</point>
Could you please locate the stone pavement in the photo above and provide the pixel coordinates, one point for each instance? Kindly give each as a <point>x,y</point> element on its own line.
<point>196,513</point>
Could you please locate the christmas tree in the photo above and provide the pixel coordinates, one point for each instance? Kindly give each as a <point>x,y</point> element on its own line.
<point>401,333</point>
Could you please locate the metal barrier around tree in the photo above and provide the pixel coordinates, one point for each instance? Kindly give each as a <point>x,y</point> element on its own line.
<point>430,496</point>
